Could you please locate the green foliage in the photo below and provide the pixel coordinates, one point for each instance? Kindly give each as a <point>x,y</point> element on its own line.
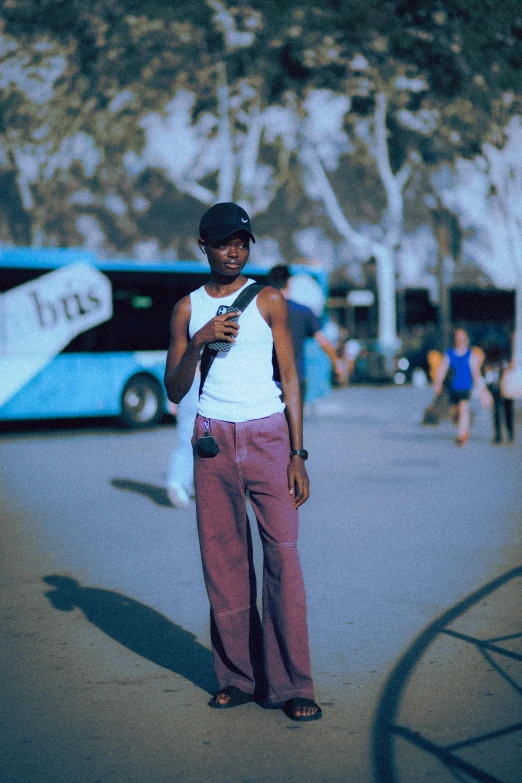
<point>126,58</point>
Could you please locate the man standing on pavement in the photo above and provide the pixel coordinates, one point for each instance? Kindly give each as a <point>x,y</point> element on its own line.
<point>257,447</point>
<point>303,324</point>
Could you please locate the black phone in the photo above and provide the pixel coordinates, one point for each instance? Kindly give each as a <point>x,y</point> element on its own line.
<point>219,345</point>
<point>222,309</point>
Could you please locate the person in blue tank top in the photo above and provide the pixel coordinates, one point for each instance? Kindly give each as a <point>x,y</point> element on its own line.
<point>462,365</point>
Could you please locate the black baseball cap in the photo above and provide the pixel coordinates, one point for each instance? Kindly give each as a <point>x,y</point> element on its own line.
<point>222,220</point>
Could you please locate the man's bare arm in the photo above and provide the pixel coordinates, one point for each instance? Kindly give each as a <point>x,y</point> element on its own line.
<point>183,354</point>
<point>330,351</point>
<point>182,360</point>
<point>441,374</point>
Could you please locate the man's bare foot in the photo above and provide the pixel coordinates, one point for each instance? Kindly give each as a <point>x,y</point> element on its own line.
<point>221,698</point>
<point>300,709</point>
<point>229,697</point>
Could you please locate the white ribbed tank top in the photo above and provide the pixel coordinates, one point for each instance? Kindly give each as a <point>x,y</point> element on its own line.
<point>240,384</point>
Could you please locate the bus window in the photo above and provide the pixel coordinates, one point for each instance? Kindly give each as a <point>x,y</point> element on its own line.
<point>143,304</point>
<point>116,367</point>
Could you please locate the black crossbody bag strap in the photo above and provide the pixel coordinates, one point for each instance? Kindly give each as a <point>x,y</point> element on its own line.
<point>240,303</point>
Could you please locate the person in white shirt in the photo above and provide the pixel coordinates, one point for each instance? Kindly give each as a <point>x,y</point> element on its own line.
<point>258,449</point>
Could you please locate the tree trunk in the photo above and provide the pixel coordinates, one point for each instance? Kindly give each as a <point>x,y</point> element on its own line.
<point>251,193</point>
<point>226,174</point>
<point>384,255</point>
<point>386,297</point>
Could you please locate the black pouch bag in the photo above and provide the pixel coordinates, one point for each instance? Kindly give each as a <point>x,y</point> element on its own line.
<point>206,446</point>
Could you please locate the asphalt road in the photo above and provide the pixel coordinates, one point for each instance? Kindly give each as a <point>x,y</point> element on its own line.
<point>412,556</point>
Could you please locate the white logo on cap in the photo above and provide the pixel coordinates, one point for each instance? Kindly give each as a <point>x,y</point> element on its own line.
<point>244,221</point>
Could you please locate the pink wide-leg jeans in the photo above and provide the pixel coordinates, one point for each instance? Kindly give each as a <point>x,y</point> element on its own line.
<point>271,660</point>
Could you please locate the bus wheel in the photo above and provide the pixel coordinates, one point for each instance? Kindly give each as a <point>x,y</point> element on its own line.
<point>141,402</point>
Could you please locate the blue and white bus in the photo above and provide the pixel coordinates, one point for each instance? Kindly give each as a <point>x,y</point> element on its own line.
<point>114,367</point>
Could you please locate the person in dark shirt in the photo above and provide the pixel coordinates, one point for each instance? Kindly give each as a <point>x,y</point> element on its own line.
<point>503,408</point>
<point>303,325</point>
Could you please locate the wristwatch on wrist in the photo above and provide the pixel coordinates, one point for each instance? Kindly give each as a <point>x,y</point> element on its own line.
<point>299,453</point>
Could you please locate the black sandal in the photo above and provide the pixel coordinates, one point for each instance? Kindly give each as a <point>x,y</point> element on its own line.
<point>237,698</point>
<point>291,706</point>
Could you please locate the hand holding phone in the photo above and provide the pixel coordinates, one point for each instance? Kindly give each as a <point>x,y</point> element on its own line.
<point>220,345</point>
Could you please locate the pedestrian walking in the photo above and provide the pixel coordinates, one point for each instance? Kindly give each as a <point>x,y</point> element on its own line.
<point>439,408</point>
<point>463,365</point>
<point>303,325</point>
<point>246,439</point>
<point>503,408</point>
<point>180,478</point>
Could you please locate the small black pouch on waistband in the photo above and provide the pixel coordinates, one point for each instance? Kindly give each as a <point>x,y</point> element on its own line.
<point>207,446</point>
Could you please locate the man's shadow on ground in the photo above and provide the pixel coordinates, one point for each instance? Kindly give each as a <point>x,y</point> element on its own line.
<point>137,627</point>
<point>157,494</point>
